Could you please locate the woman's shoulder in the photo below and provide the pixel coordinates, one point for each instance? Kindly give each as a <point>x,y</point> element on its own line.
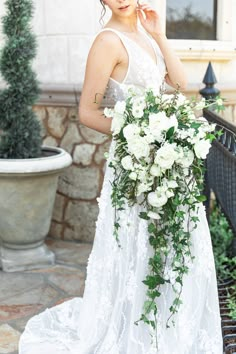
<point>108,37</point>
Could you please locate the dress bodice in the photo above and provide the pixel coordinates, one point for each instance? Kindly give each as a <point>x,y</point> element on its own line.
<point>142,71</point>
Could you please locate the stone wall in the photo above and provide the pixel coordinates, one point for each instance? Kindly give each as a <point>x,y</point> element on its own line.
<point>75,209</point>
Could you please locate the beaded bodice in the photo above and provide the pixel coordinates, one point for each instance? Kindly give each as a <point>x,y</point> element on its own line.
<point>142,71</point>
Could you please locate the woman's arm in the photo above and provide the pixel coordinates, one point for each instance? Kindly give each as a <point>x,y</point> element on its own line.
<point>176,76</point>
<point>99,67</point>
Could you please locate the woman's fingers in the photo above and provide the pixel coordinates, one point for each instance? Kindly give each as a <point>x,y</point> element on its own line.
<point>145,7</point>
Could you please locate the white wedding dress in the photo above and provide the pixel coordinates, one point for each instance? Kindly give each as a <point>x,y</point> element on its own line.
<point>102,322</point>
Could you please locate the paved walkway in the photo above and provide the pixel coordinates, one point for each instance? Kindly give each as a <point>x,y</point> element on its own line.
<point>24,294</point>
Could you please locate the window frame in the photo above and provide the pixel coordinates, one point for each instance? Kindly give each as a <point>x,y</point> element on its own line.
<point>214,22</point>
<point>222,49</point>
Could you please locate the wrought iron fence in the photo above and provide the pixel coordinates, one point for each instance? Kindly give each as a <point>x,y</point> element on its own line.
<point>221,169</point>
<point>221,179</point>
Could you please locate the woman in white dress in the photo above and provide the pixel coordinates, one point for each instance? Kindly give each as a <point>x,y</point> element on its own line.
<point>102,322</point>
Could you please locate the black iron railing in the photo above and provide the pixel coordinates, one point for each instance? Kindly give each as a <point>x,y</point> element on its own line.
<point>221,170</point>
<point>221,179</point>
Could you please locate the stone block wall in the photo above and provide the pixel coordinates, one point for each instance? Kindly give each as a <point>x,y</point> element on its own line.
<point>75,208</point>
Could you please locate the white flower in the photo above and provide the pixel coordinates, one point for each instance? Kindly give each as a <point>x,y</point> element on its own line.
<point>169,193</point>
<point>186,157</point>
<point>156,124</point>
<point>166,156</point>
<point>120,107</point>
<point>172,183</point>
<point>137,111</point>
<point>167,98</point>
<point>157,200</point>
<point>117,123</point>
<point>133,175</point>
<point>130,131</point>
<point>138,106</point>
<point>181,100</point>
<point>148,135</point>
<point>139,147</point>
<point>173,122</point>
<point>219,101</point>
<point>155,171</point>
<point>202,148</point>
<point>201,104</point>
<point>127,163</point>
<point>108,112</point>
<point>153,215</point>
<point>159,122</point>
<point>142,187</point>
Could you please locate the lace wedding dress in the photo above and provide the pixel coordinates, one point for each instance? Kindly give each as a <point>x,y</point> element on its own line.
<point>102,322</point>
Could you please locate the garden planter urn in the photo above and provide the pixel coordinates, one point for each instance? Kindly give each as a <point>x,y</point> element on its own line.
<point>27,194</point>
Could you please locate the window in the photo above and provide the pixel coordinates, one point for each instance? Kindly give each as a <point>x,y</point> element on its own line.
<point>191,19</point>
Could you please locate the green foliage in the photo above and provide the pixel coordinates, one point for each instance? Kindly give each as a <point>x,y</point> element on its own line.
<point>222,237</point>
<point>169,194</point>
<point>20,130</point>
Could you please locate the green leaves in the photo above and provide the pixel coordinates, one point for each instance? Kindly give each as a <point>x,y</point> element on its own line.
<point>153,281</point>
<point>144,215</point>
<point>22,130</point>
<point>170,133</point>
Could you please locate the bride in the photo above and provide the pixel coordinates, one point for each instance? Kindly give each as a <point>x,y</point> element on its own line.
<point>102,322</point>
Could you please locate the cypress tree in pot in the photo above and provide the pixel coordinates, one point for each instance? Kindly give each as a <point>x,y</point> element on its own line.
<point>28,170</point>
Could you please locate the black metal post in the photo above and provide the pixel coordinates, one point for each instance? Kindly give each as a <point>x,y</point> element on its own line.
<point>209,91</point>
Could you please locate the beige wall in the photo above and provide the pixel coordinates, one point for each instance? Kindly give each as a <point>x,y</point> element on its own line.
<point>65,30</point>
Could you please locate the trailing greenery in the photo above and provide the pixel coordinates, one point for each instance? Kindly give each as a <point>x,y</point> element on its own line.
<point>222,237</point>
<point>20,130</point>
<point>158,165</point>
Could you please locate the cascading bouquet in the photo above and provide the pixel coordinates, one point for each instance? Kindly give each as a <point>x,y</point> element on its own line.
<point>158,162</point>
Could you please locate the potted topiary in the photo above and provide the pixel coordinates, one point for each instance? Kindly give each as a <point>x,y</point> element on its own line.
<point>28,170</point>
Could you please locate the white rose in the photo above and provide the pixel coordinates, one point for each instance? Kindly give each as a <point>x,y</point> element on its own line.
<point>172,122</point>
<point>137,111</point>
<point>117,123</point>
<point>120,107</point>
<point>108,112</point>
<point>219,101</point>
<point>201,104</point>
<point>142,187</point>
<point>127,163</point>
<point>181,99</point>
<point>155,170</point>
<point>202,148</point>
<point>167,98</point>
<point>157,200</point>
<point>186,159</point>
<point>153,215</point>
<point>139,147</point>
<point>133,176</point>
<point>169,193</point>
<point>166,156</point>
<point>159,122</point>
<point>130,131</point>
<point>138,106</point>
<point>156,125</point>
<point>172,183</point>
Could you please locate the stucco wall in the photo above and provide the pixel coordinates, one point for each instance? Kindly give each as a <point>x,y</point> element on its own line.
<point>65,30</point>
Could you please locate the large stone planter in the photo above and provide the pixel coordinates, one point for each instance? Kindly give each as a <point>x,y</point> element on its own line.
<point>27,194</point>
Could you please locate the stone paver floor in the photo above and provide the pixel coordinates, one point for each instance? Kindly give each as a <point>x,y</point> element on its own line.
<point>24,294</point>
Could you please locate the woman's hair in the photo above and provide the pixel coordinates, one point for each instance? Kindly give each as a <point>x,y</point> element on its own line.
<point>103,12</point>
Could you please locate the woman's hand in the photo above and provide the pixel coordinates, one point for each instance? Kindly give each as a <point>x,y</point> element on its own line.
<point>149,19</point>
